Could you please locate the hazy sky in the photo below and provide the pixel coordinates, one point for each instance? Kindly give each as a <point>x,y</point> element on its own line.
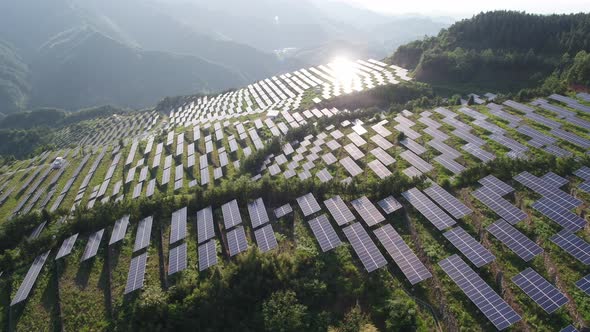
<point>467,8</point>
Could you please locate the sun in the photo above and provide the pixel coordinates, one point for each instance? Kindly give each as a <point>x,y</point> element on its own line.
<point>343,68</point>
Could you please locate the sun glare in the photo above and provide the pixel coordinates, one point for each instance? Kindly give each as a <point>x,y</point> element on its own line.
<point>343,69</point>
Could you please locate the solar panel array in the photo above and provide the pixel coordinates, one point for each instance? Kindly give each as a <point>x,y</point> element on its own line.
<point>574,245</point>
<point>389,204</point>
<point>584,284</point>
<point>119,230</point>
<point>448,202</point>
<point>479,292</point>
<point>565,218</point>
<point>178,226</point>
<point>205,228</point>
<point>540,290</point>
<point>402,255</point>
<point>207,255</point>
<point>92,245</point>
<point>364,247</point>
<point>428,209</point>
<point>143,234</point>
<point>498,186</point>
<point>257,212</point>
<point>351,167</point>
<point>25,287</point>
<point>177,259</point>
<point>473,250</point>
<point>519,243</point>
<point>136,273</point>
<point>236,240</point>
<point>265,238</point>
<point>66,246</point>
<point>367,211</point>
<point>324,233</point>
<point>569,328</point>
<point>283,210</point>
<point>308,204</point>
<point>231,214</point>
<point>496,203</point>
<point>339,211</point>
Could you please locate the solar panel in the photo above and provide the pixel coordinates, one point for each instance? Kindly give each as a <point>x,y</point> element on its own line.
<point>367,211</point>
<point>308,204</point>
<point>257,212</point>
<point>236,240</point>
<point>339,211</point>
<point>554,180</point>
<point>448,202</point>
<point>413,146</point>
<point>384,157</point>
<point>569,328</point>
<point>496,203</point>
<point>136,273</point>
<point>468,246</point>
<point>389,204</point>
<point>428,209</point>
<point>178,226</point>
<point>479,292</point>
<point>584,284</point>
<point>66,246</point>
<point>351,167</point>
<point>324,175</point>
<point>379,169</point>
<point>583,172</point>
<point>177,259</point>
<point>447,162</point>
<point>364,247</point>
<point>574,246</point>
<point>402,255</point>
<point>205,228</point>
<point>283,210</point>
<point>566,219</point>
<point>540,290</point>
<point>416,161</point>
<point>143,234</point>
<point>25,287</point>
<point>207,255</point>
<point>496,185</point>
<point>92,245</point>
<point>119,230</point>
<point>231,214</point>
<point>265,237</point>
<point>541,187</point>
<point>521,245</point>
<point>324,233</point>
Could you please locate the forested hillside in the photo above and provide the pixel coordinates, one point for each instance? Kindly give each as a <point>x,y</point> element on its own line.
<point>503,51</point>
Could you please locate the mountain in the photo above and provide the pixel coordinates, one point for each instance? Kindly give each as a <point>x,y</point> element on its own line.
<point>14,80</point>
<point>502,50</point>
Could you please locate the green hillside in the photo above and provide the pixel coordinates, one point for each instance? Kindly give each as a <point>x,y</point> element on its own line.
<point>15,82</point>
<point>501,51</point>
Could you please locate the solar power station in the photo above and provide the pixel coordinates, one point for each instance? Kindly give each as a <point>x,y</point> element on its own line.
<point>468,246</point>
<point>25,287</point>
<point>479,292</point>
<point>283,210</point>
<point>516,241</point>
<point>448,202</point>
<point>364,247</point>
<point>257,212</point>
<point>584,284</point>
<point>402,255</point>
<point>389,205</point>
<point>92,245</point>
<point>177,259</point>
<point>205,227</point>
<point>178,226</point>
<point>236,240</point>
<point>500,206</point>
<point>66,246</point>
<point>324,233</point>
<point>428,209</point>
<point>339,211</point>
<point>367,211</point>
<point>574,246</point>
<point>540,290</point>
<point>119,230</point>
<point>265,238</point>
<point>143,234</point>
<point>231,214</point>
<point>308,204</point>
<point>136,273</point>
<point>207,255</point>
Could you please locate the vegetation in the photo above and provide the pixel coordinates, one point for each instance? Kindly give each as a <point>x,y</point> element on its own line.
<point>500,51</point>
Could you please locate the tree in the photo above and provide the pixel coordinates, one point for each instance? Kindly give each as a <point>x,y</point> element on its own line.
<point>401,314</point>
<point>471,100</point>
<point>282,312</point>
